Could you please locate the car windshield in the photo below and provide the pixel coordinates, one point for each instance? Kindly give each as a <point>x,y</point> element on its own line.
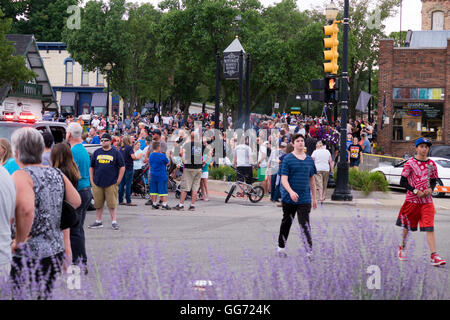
<point>7,131</point>
<point>443,163</point>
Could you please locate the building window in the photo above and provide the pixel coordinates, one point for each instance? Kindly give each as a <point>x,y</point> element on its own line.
<point>84,77</point>
<point>412,120</point>
<point>69,72</point>
<point>99,78</point>
<point>419,93</point>
<point>437,20</point>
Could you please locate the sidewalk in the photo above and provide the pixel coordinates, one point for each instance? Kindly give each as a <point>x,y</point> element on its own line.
<point>375,199</point>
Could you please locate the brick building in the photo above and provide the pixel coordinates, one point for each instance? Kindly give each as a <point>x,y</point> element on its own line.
<point>414,84</point>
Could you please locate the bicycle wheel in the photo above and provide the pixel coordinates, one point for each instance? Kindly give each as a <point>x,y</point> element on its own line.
<point>256,194</point>
<point>230,193</point>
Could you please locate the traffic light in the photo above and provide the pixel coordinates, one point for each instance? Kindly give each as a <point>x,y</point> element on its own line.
<point>331,90</point>
<point>331,44</point>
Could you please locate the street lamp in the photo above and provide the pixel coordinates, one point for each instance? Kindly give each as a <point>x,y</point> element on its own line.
<point>331,11</point>
<point>108,68</point>
<point>342,191</point>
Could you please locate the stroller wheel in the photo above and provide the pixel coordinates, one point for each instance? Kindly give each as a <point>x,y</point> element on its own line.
<point>177,194</point>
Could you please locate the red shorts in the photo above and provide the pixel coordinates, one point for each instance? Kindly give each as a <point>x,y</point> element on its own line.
<point>412,214</point>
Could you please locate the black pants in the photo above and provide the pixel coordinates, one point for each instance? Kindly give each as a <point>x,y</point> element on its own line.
<point>289,211</point>
<point>244,174</point>
<point>27,273</point>
<point>77,239</point>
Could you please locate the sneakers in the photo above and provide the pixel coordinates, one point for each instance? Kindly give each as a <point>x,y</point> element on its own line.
<point>178,207</point>
<point>436,260</point>
<point>149,202</point>
<point>155,207</point>
<point>401,254</point>
<point>165,207</point>
<point>115,226</point>
<point>282,252</point>
<point>96,225</point>
<point>191,208</point>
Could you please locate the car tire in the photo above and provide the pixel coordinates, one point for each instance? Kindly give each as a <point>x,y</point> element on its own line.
<point>438,194</point>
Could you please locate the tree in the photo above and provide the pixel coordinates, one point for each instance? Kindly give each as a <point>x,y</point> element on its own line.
<point>12,68</point>
<point>44,19</point>
<point>366,29</point>
<point>399,38</point>
<point>191,34</point>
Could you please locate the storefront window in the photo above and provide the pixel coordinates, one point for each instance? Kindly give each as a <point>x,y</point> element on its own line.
<point>418,119</point>
<point>419,93</point>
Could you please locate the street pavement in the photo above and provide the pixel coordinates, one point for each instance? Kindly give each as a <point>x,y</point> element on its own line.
<point>239,225</point>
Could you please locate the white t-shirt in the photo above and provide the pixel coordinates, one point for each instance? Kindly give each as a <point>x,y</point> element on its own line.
<point>7,209</point>
<point>156,120</point>
<point>166,120</point>
<point>302,131</point>
<point>138,164</point>
<point>321,158</point>
<point>95,123</point>
<point>263,153</point>
<point>243,154</point>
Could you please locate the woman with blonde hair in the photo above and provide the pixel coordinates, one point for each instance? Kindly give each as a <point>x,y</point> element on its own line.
<point>6,156</point>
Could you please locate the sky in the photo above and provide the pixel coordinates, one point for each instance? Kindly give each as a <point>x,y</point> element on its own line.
<point>411,17</point>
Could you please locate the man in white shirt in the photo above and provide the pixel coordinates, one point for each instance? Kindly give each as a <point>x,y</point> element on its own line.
<point>243,160</point>
<point>95,122</point>
<point>324,165</point>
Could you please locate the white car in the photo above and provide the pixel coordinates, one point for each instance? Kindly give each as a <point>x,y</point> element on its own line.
<point>393,172</point>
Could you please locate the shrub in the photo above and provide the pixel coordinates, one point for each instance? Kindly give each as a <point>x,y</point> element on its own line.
<point>219,172</point>
<point>365,181</point>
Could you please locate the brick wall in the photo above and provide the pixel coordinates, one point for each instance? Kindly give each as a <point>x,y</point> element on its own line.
<point>429,6</point>
<point>403,67</point>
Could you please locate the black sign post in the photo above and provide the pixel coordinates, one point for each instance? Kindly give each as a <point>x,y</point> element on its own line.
<point>231,65</point>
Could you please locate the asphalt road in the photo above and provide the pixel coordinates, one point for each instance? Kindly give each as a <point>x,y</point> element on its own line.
<point>237,225</point>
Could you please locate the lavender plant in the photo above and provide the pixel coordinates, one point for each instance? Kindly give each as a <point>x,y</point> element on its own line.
<point>338,270</point>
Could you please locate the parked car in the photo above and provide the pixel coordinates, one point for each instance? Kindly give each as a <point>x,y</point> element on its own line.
<point>393,172</point>
<point>440,151</point>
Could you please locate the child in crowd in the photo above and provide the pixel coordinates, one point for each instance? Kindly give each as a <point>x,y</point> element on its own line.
<point>158,176</point>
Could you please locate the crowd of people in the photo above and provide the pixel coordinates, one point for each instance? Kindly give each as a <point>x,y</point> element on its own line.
<point>293,157</point>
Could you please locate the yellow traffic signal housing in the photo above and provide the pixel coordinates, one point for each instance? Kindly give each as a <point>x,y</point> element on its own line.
<point>332,44</point>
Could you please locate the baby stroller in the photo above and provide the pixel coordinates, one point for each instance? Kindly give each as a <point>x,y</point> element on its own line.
<point>140,182</point>
<point>189,194</point>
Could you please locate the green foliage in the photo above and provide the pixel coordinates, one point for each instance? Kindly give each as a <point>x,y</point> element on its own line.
<point>219,172</point>
<point>44,19</point>
<point>365,181</point>
<point>12,68</point>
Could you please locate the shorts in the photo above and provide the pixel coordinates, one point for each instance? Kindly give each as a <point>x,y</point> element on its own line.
<point>205,175</point>
<point>262,173</point>
<point>110,194</point>
<point>190,180</point>
<point>321,178</point>
<point>354,163</point>
<point>158,187</point>
<point>412,214</point>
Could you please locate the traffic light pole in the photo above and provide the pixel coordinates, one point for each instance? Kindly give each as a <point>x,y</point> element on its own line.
<point>342,191</point>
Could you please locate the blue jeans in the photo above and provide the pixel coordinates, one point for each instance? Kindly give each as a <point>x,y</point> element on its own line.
<point>126,184</point>
<point>77,240</point>
<point>275,193</point>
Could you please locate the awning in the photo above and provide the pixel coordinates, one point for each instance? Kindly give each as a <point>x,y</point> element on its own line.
<point>99,99</point>
<point>67,99</point>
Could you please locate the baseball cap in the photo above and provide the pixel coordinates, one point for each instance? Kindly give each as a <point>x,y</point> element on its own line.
<point>423,140</point>
<point>106,136</point>
<point>157,131</point>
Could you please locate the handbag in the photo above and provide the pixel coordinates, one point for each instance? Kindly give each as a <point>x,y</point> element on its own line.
<point>69,215</point>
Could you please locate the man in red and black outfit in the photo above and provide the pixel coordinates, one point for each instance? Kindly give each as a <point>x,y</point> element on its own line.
<point>419,177</point>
